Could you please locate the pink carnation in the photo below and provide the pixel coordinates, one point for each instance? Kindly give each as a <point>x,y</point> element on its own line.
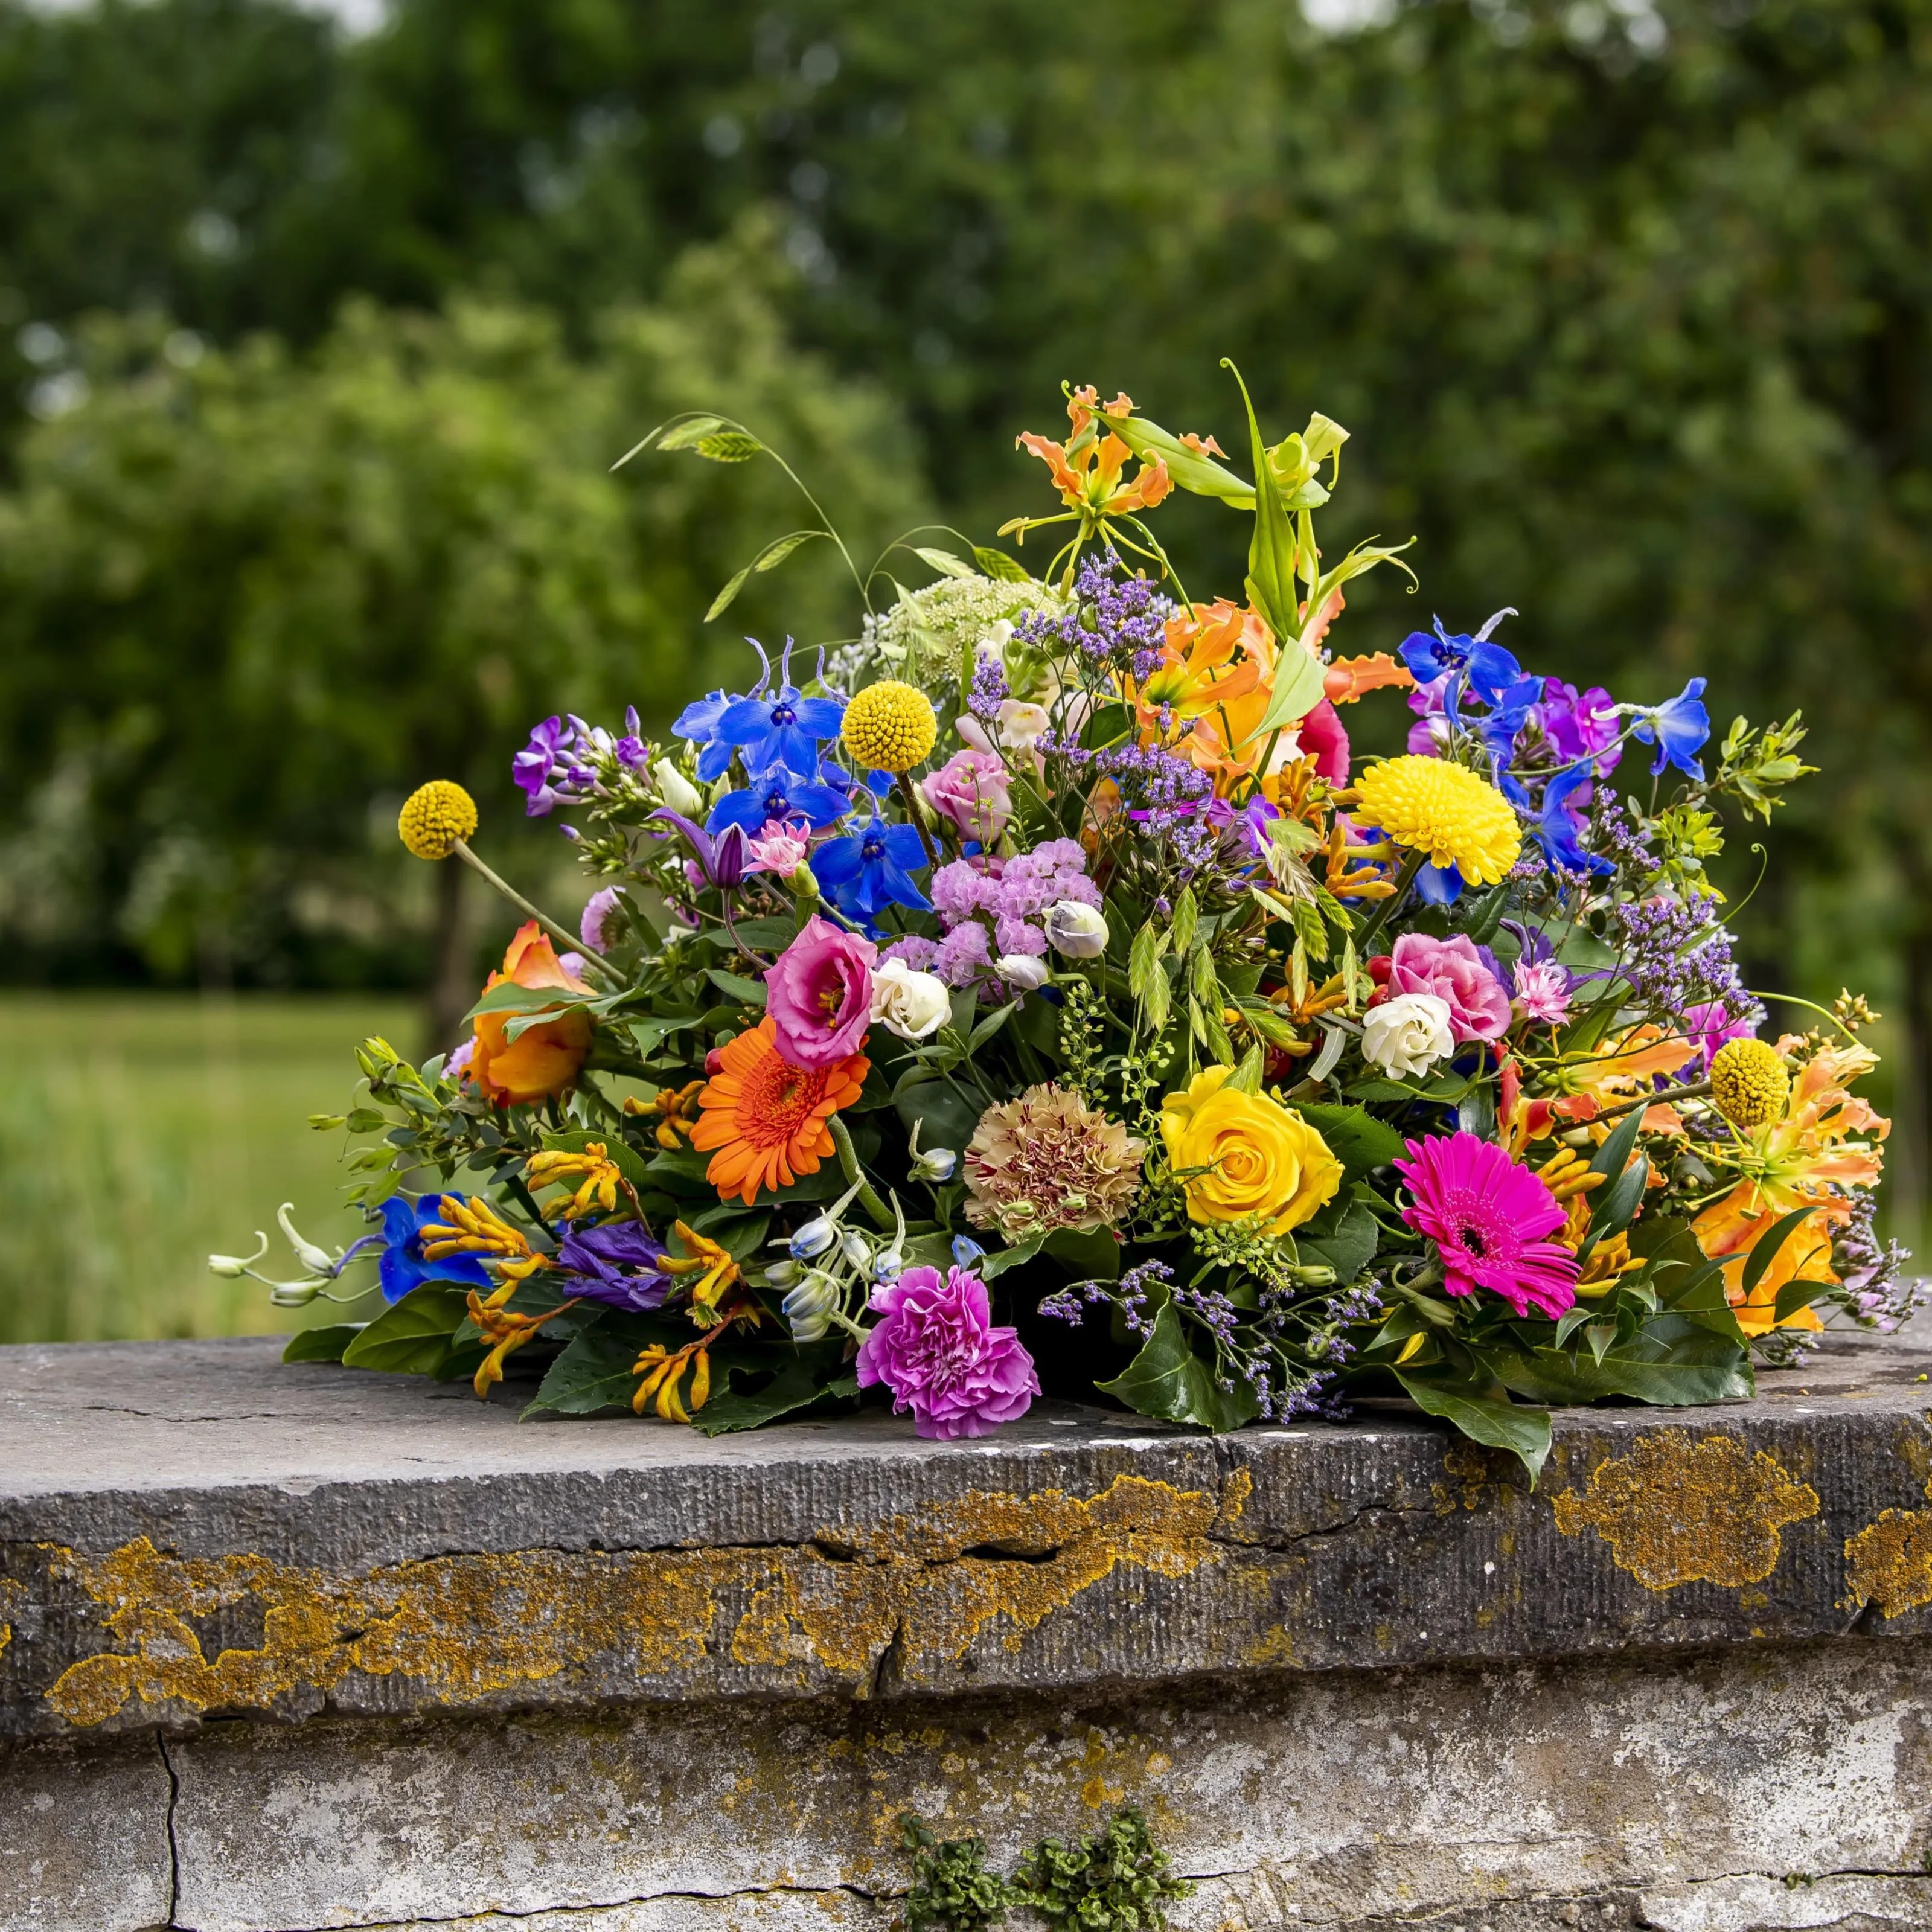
<point>1488,1218</point>
<point>820,994</point>
<point>1543,991</point>
<point>780,848</point>
<point>970,789</point>
<point>937,1351</point>
<point>1454,971</point>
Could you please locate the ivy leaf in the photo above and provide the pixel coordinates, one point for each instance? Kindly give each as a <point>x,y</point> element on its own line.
<point>322,1345</point>
<point>1348,1246</point>
<point>413,1337</point>
<point>1168,1380</point>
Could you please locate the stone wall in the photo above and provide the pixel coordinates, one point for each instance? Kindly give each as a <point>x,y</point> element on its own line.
<point>291,1647</point>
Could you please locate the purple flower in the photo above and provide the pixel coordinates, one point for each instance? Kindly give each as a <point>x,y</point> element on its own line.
<point>591,927</point>
<point>720,862</point>
<point>1710,1023</point>
<point>936,1349</point>
<point>618,1263</point>
<point>1581,724</point>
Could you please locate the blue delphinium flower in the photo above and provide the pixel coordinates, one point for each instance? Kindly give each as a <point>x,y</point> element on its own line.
<point>618,1265</point>
<point>871,868</point>
<point>1483,668</point>
<point>785,730</point>
<point>1438,885</point>
<point>779,794</point>
<point>698,721</point>
<point>404,1265</point>
<point>1678,729</point>
<point>1558,829</point>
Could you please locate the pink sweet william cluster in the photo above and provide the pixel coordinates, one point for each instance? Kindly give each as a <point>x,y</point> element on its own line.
<point>936,1350</point>
<point>995,908</point>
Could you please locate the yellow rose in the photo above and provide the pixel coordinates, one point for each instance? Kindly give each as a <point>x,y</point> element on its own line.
<point>1258,1158</point>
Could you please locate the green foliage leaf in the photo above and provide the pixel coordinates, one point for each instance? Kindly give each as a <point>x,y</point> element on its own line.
<point>1500,1425</point>
<point>996,563</point>
<point>777,1383</point>
<point>1765,1249</point>
<point>728,445</point>
<point>593,1372</point>
<point>1168,1380</point>
<point>1091,1255</point>
<point>1355,1137</point>
<point>321,1344</point>
<point>412,1336</point>
<point>727,597</point>
<point>1345,1236</point>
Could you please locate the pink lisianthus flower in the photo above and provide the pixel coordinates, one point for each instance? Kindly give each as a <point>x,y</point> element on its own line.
<point>820,993</point>
<point>1707,1026</point>
<point>1489,1220</point>
<point>1543,991</point>
<point>781,847</point>
<point>936,1350</point>
<point>1458,975</point>
<point>971,790</point>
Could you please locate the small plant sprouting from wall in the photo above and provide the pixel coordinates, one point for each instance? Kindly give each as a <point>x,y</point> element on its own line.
<point>1118,1880</point>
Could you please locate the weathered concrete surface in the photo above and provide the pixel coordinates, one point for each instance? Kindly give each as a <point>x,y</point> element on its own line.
<point>606,1676</point>
<point>195,1530</point>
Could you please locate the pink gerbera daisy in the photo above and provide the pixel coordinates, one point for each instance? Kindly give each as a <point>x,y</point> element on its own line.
<point>1489,1218</point>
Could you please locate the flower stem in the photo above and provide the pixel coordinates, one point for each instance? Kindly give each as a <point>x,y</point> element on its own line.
<point>570,942</point>
<point>1663,1100</point>
<point>1404,880</point>
<point>848,1158</point>
<point>906,792</point>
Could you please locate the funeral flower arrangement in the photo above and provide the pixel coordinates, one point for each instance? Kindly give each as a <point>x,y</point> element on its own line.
<point>1039,990</point>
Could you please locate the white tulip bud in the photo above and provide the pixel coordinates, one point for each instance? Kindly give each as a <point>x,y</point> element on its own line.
<point>1022,972</point>
<point>676,791</point>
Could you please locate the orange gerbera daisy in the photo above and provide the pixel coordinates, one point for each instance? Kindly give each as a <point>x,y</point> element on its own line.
<point>763,1121</point>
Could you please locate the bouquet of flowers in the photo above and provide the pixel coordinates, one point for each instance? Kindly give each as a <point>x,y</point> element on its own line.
<point>1047,951</point>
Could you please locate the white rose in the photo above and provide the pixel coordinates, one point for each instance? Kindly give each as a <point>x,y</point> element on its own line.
<point>1022,971</point>
<point>1408,1034</point>
<point>1076,930</point>
<point>676,791</point>
<point>909,1003</point>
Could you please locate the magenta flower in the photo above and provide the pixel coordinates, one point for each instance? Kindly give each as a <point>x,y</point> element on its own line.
<point>1489,1218</point>
<point>1708,1025</point>
<point>971,790</point>
<point>781,846</point>
<point>1543,991</point>
<point>820,994</point>
<point>1458,976</point>
<point>936,1350</point>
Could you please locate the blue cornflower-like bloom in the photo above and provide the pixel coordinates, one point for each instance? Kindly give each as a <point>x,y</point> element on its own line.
<point>1482,667</point>
<point>404,1265</point>
<point>618,1263</point>
<point>871,868</point>
<point>1557,828</point>
<point>784,729</point>
<point>1501,726</point>
<point>1679,730</point>
<point>1438,885</point>
<point>698,721</point>
<point>779,794</point>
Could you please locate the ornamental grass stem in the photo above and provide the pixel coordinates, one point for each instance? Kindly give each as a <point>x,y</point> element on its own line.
<point>570,941</point>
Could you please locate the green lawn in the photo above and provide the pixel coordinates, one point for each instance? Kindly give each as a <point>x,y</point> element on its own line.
<point>140,1132</point>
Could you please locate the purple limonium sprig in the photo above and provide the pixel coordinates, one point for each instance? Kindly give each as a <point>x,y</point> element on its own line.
<point>1119,622</point>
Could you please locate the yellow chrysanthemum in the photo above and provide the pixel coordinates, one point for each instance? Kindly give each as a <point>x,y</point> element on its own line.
<point>890,727</point>
<point>434,817</point>
<point>1444,811</point>
<point>1749,1083</point>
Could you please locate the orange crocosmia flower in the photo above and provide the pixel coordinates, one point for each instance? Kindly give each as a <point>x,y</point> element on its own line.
<point>544,1059</point>
<point>763,1122</point>
<point>1808,1159</point>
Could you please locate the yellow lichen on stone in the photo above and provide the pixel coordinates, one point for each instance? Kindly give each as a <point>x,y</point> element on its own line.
<point>1677,1511</point>
<point>1889,1562</point>
<point>466,1628</point>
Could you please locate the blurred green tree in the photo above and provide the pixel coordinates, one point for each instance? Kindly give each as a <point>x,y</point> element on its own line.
<point>248,598</point>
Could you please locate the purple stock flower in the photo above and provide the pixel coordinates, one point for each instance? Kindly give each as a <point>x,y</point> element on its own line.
<point>591,927</point>
<point>936,1350</point>
<point>618,1263</point>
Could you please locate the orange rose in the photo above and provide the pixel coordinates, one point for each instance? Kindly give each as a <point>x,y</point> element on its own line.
<point>544,1059</point>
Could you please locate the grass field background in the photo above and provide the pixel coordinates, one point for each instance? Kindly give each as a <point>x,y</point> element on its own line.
<point>139,1133</point>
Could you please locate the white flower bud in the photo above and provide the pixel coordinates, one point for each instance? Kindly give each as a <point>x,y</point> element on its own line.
<point>912,1004</point>
<point>935,1164</point>
<point>1022,972</point>
<point>856,1249</point>
<point>813,1239</point>
<point>1075,929</point>
<point>676,791</point>
<point>1408,1034</point>
<point>808,1307</point>
<point>234,1266</point>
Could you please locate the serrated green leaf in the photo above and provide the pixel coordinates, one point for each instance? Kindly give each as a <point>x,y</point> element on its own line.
<point>1501,1425</point>
<point>802,1383</point>
<point>594,1372</point>
<point>996,563</point>
<point>1359,1141</point>
<point>992,1266</point>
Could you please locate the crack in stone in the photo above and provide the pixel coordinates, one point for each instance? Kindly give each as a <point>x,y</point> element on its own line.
<point>495,1912</point>
<point>174,1841</point>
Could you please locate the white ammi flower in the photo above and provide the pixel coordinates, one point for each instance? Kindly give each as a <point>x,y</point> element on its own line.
<point>1408,1034</point>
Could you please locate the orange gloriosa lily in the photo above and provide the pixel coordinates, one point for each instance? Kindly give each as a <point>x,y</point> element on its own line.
<point>1808,1159</point>
<point>1209,693</point>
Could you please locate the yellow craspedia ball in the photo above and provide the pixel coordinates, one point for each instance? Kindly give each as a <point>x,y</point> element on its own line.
<point>434,817</point>
<point>1749,1083</point>
<point>1444,811</point>
<point>890,727</point>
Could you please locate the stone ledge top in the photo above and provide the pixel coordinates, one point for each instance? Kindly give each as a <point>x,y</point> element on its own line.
<point>193,1530</point>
